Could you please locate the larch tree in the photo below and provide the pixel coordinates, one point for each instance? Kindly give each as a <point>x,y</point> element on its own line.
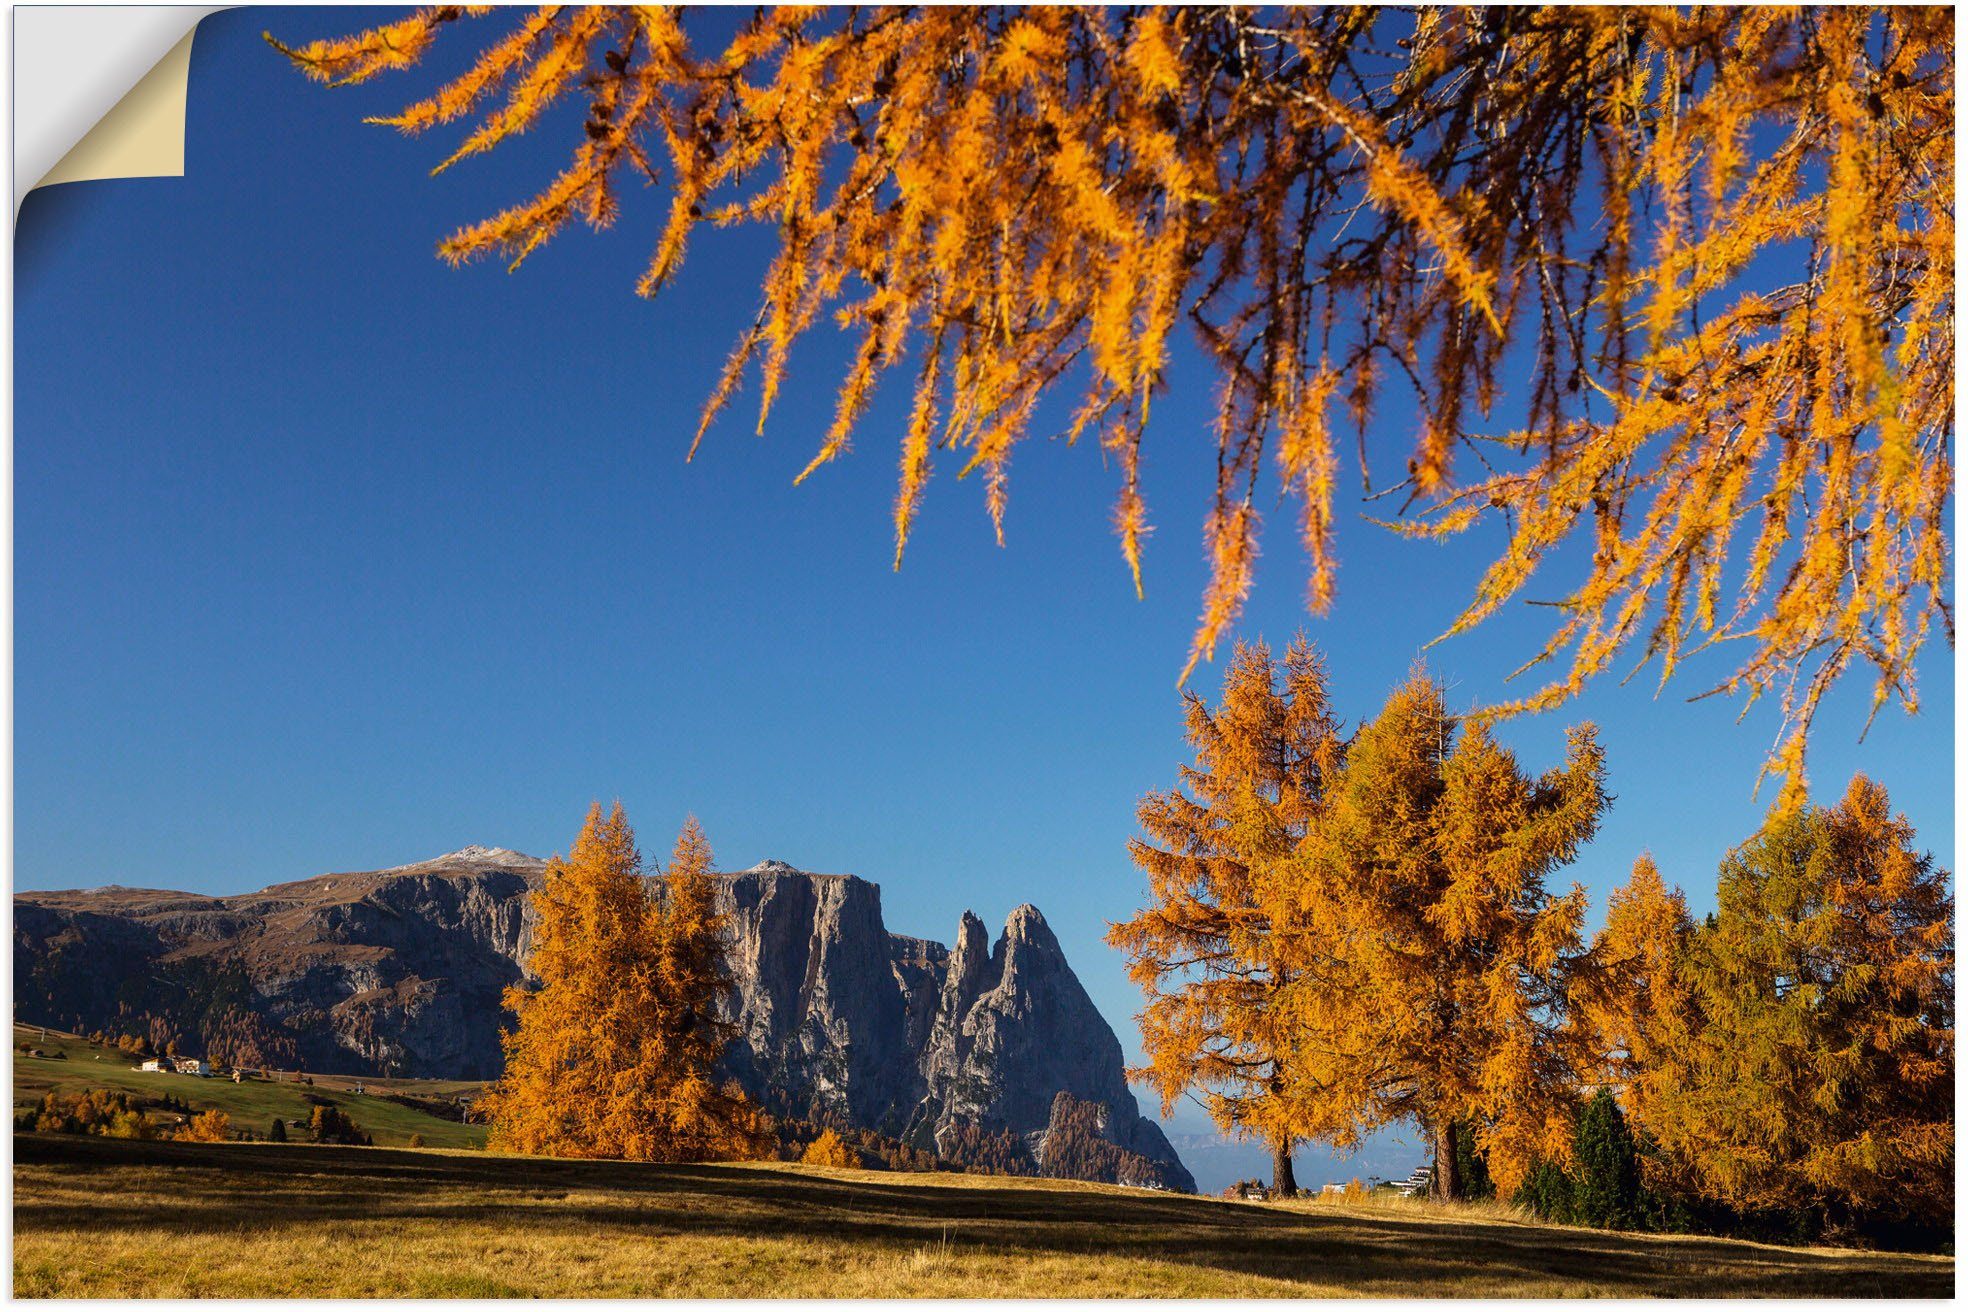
<point>1429,964</point>
<point>1203,949</point>
<point>1819,1075</point>
<point>701,1116</point>
<point>1630,1000</point>
<point>614,1051</point>
<point>579,1034</point>
<point>1672,284</point>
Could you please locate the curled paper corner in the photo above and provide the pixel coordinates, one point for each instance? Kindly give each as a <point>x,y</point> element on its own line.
<point>142,134</point>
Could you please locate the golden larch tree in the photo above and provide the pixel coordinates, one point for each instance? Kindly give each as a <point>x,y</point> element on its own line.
<point>614,1048</point>
<point>1630,998</point>
<point>1819,1072</point>
<point>1203,949</point>
<point>1701,257</point>
<point>1428,962</point>
<point>702,1115</point>
<point>577,1032</point>
<point>829,1149</point>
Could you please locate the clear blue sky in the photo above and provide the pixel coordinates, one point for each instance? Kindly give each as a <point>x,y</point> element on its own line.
<point>330,557</point>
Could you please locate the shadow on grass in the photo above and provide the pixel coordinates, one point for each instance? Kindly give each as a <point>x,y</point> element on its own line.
<point>220,1188</point>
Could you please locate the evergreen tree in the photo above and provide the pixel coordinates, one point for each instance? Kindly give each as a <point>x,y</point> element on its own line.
<point>1429,962</point>
<point>1818,1073</point>
<point>1204,950</point>
<point>1549,1192</point>
<point>1472,1166</point>
<point>277,1132</point>
<point>1606,1167</point>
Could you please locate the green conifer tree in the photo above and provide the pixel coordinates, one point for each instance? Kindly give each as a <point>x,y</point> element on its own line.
<point>1606,1167</point>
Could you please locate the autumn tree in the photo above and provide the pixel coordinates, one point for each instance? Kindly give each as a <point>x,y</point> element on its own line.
<point>89,1111</point>
<point>1630,999</point>
<point>672,1104</point>
<point>1714,245</point>
<point>1203,949</point>
<point>210,1126</point>
<point>614,1049</point>
<point>1428,960</point>
<point>576,1034</point>
<point>330,1124</point>
<point>1819,1072</point>
<point>828,1149</point>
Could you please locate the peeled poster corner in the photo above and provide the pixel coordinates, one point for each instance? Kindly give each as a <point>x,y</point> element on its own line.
<point>100,92</point>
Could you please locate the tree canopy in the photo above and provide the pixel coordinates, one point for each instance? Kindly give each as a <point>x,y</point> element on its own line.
<point>1205,950</point>
<point>1817,1070</point>
<point>1430,962</point>
<point>1666,294</point>
<point>614,1051</point>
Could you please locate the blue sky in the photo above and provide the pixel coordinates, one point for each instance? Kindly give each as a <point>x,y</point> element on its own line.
<point>331,557</point>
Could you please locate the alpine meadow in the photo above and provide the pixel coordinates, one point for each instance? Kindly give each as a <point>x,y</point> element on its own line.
<point>1537,887</point>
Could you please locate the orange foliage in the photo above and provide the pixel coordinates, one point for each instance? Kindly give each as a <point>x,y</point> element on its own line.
<point>614,1052</point>
<point>207,1127</point>
<point>1812,1066</point>
<point>1429,964</point>
<point>1720,240</point>
<point>1631,1004</point>
<point>828,1150</point>
<point>1203,950</point>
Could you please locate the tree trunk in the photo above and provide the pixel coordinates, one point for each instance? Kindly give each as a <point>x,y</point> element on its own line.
<point>1448,1180</point>
<point>1283,1183</point>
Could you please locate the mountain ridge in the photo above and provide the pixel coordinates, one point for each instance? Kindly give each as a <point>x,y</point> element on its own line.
<point>399,971</point>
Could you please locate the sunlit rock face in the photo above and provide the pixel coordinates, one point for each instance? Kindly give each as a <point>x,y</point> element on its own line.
<point>383,972</point>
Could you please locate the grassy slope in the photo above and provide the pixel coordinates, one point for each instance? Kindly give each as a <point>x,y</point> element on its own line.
<point>98,1217</point>
<point>252,1104</point>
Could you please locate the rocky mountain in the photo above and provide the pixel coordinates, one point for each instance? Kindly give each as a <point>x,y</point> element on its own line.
<point>974,1050</point>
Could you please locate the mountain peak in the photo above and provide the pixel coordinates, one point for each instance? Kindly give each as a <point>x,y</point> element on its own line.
<point>475,853</point>
<point>378,971</point>
<point>1026,925</point>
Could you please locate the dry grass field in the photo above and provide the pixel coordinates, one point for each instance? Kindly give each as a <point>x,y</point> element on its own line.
<point>109,1218</point>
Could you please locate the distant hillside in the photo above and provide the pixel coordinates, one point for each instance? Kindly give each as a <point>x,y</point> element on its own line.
<point>389,1111</point>
<point>963,1050</point>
